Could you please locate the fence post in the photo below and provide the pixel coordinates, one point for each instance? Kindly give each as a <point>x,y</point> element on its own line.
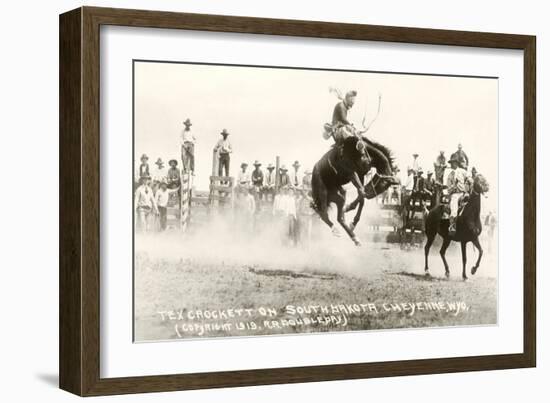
<point>277,175</point>
<point>215,162</point>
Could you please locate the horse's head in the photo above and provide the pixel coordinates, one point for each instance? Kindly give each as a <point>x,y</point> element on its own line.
<point>381,159</point>
<point>481,185</point>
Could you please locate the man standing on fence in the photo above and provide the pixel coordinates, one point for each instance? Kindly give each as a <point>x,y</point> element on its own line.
<point>224,150</point>
<point>188,148</point>
<point>439,166</point>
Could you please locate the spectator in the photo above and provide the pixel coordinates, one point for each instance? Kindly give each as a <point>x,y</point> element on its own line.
<point>408,190</point>
<point>159,172</point>
<point>305,217</point>
<point>284,179</point>
<point>173,177</point>
<point>188,148</point>
<point>224,150</point>
<point>243,180</point>
<point>296,175</point>
<point>439,166</point>
<point>161,199</point>
<point>430,188</point>
<point>284,209</point>
<point>144,204</point>
<point>144,167</point>
<point>461,157</point>
<point>269,182</point>
<point>257,179</point>
<point>415,163</point>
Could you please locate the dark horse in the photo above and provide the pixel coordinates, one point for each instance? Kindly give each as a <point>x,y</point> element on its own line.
<point>468,227</point>
<point>349,163</point>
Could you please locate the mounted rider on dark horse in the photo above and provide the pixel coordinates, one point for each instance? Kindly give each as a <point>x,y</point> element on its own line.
<point>468,226</point>
<point>350,159</point>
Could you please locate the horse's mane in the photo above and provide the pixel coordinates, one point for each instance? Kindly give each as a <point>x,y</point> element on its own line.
<point>386,152</point>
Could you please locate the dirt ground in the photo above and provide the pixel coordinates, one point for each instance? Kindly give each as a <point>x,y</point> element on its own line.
<point>212,285</point>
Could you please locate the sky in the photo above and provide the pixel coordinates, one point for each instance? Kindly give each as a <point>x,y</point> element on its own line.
<point>273,112</point>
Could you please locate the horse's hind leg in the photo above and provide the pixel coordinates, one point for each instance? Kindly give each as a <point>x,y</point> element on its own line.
<point>340,199</point>
<point>464,259</point>
<point>446,243</point>
<point>429,242</point>
<point>476,243</point>
<point>320,202</point>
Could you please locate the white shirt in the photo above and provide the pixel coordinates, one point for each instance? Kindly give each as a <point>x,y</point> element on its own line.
<point>144,197</point>
<point>163,196</point>
<point>296,178</point>
<point>159,174</point>
<point>244,178</point>
<point>409,185</point>
<point>223,146</point>
<point>456,181</point>
<point>187,136</point>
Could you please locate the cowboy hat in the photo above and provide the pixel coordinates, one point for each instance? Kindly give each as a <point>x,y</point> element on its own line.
<point>308,171</point>
<point>173,162</point>
<point>244,164</point>
<point>159,161</point>
<point>270,166</point>
<point>187,122</point>
<point>224,132</point>
<point>351,93</point>
<point>257,163</point>
<point>415,155</point>
<point>283,168</point>
<point>144,157</point>
<point>296,163</point>
<point>430,172</point>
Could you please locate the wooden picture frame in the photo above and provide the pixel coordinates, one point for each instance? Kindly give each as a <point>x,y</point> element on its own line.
<point>79,348</point>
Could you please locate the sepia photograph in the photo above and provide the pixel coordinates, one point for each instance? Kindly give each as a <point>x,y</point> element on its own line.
<point>270,200</point>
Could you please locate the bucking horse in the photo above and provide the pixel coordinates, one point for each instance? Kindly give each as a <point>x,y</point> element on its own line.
<point>350,162</point>
<point>468,227</point>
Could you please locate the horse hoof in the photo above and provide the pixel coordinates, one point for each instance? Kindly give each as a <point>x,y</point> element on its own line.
<point>427,273</point>
<point>357,242</point>
<point>447,274</point>
<point>335,232</point>
<point>474,270</point>
<point>465,278</point>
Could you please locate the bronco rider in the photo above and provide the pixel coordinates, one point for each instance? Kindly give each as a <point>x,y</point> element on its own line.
<point>341,127</point>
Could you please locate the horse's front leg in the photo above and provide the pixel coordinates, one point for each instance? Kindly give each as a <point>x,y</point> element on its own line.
<point>357,182</point>
<point>480,254</point>
<point>358,214</point>
<point>464,259</point>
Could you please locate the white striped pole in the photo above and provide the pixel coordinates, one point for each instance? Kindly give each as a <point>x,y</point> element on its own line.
<point>185,202</point>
